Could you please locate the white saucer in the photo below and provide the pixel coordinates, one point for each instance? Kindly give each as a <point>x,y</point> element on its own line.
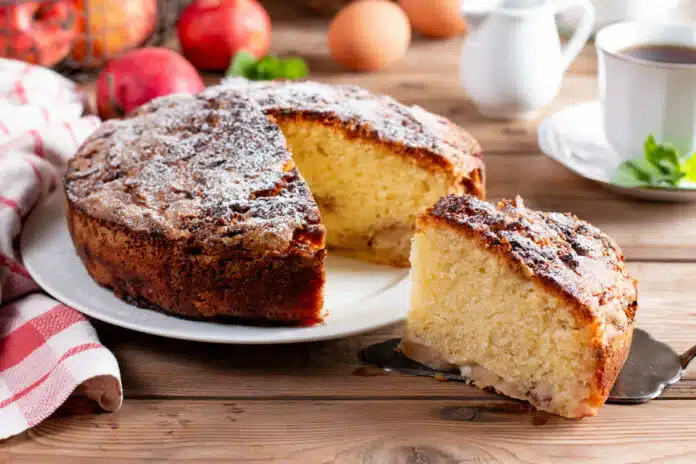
<point>359,296</point>
<point>574,137</point>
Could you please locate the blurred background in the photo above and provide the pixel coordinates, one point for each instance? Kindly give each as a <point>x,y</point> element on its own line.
<point>77,37</point>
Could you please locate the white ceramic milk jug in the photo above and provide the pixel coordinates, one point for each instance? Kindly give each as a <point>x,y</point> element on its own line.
<point>512,62</point>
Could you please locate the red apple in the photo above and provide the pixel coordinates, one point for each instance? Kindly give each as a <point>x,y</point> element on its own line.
<point>38,32</point>
<point>211,32</point>
<point>138,76</point>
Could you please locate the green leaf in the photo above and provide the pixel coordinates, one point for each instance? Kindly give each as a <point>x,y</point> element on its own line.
<point>243,65</point>
<point>689,168</point>
<point>268,68</point>
<point>657,176</point>
<point>661,166</point>
<point>649,170</point>
<point>294,68</point>
<point>628,175</point>
<point>650,145</point>
<point>665,156</point>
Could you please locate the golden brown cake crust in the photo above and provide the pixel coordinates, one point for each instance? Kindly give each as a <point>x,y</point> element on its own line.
<point>433,141</point>
<point>155,273</point>
<point>193,204</point>
<point>213,172</point>
<point>564,255</point>
<point>210,176</point>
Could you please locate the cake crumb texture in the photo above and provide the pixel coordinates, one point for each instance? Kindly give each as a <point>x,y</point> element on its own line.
<point>373,164</point>
<point>538,306</point>
<point>207,189</point>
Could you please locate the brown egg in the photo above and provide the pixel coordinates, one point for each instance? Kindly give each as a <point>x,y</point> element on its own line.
<point>368,35</point>
<point>435,18</point>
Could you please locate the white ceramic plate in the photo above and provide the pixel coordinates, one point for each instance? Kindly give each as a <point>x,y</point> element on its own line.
<point>359,296</point>
<point>574,137</point>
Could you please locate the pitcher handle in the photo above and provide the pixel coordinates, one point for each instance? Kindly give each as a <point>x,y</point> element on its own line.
<point>582,32</point>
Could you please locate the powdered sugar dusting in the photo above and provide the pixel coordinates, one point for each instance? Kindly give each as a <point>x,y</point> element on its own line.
<point>214,168</point>
<point>195,168</point>
<point>361,110</point>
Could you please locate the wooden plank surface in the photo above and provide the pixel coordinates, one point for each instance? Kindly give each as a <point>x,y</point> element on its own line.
<point>153,367</point>
<point>316,402</point>
<point>645,231</point>
<point>364,431</point>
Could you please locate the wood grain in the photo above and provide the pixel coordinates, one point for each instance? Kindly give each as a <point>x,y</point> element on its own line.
<point>425,56</point>
<point>153,367</point>
<point>644,230</point>
<point>369,431</point>
<point>316,402</point>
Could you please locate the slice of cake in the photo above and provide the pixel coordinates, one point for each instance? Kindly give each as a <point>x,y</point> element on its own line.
<point>373,164</point>
<point>538,306</point>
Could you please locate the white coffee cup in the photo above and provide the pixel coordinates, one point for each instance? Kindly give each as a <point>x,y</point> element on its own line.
<point>612,11</point>
<point>641,97</point>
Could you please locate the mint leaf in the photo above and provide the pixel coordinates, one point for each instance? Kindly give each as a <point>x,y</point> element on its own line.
<point>689,168</point>
<point>650,145</point>
<point>657,176</point>
<point>649,170</point>
<point>661,166</point>
<point>665,157</point>
<point>268,68</point>
<point>243,65</point>
<point>294,68</point>
<point>628,175</point>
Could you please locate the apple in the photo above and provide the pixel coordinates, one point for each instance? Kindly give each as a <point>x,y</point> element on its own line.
<point>211,32</point>
<point>138,76</point>
<point>38,32</point>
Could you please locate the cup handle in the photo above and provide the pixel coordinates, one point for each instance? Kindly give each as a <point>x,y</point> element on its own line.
<point>582,32</point>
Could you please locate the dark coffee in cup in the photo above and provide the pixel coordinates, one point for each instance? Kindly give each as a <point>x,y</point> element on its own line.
<point>647,85</point>
<point>663,53</point>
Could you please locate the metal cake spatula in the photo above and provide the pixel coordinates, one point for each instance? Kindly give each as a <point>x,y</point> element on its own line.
<point>650,367</point>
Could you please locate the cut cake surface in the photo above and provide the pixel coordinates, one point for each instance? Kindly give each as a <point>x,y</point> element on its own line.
<point>538,306</point>
<point>372,163</point>
<point>194,204</point>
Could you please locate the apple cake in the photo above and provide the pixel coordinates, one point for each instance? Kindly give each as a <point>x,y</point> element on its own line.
<point>373,164</point>
<point>538,306</point>
<point>195,206</point>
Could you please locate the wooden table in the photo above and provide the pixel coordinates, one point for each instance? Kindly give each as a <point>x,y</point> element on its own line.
<point>315,402</point>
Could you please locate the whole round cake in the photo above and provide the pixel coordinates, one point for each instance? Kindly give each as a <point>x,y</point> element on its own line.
<point>198,205</point>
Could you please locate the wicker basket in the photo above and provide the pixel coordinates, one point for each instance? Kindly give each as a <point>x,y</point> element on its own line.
<point>83,61</point>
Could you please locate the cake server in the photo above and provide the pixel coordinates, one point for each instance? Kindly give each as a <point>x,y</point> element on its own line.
<point>650,367</point>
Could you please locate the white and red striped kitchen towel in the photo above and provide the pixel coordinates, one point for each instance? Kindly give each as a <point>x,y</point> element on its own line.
<point>47,349</point>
